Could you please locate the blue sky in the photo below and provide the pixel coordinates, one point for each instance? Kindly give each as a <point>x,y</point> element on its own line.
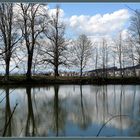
<point>109,17</point>
<point>93,8</point>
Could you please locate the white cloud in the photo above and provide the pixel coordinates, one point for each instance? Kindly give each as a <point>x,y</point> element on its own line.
<point>99,24</point>
<point>53,12</point>
<point>125,34</point>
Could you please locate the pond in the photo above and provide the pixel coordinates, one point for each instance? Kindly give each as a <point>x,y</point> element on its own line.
<point>70,111</point>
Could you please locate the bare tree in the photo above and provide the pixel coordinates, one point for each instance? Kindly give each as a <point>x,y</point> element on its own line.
<point>32,23</point>
<point>131,53</point>
<point>135,32</point>
<point>56,49</point>
<point>104,54</point>
<point>8,34</point>
<point>114,61</point>
<point>81,52</point>
<point>96,61</point>
<point>119,52</point>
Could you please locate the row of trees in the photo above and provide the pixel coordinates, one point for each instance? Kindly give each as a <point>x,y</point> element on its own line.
<point>29,29</point>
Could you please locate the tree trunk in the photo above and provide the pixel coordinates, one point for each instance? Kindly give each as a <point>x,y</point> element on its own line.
<point>114,68</point>
<point>134,70</point>
<point>7,68</point>
<point>81,72</point>
<point>56,71</point>
<point>121,69</point>
<point>121,73</point>
<point>29,67</point>
<point>96,63</point>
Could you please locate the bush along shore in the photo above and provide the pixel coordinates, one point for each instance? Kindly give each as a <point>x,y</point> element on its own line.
<point>21,80</point>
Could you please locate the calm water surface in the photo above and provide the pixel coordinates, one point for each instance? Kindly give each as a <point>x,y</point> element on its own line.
<point>70,110</point>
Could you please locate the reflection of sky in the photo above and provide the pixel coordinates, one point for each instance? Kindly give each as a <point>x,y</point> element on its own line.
<point>16,96</point>
<point>93,129</point>
<point>100,103</point>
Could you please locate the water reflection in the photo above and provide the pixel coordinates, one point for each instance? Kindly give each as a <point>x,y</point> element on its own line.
<point>70,110</point>
<point>83,117</point>
<point>59,113</point>
<point>30,123</point>
<point>8,124</point>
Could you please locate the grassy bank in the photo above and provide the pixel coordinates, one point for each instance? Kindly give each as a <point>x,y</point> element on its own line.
<point>21,80</point>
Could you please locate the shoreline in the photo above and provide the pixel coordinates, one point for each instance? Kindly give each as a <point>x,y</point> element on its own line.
<point>45,80</point>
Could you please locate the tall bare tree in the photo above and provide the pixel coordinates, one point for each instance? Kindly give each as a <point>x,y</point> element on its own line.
<point>32,23</point>
<point>8,34</point>
<point>135,32</point>
<point>114,61</point>
<point>119,52</point>
<point>81,51</point>
<point>96,60</point>
<point>131,53</point>
<point>104,54</point>
<point>57,44</point>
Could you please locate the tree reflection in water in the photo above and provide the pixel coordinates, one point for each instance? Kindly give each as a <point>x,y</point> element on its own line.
<point>59,113</point>
<point>30,124</point>
<point>70,111</point>
<point>84,118</point>
<point>7,129</point>
<point>8,125</point>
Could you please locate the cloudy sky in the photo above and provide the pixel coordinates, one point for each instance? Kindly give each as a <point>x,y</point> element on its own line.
<point>96,19</point>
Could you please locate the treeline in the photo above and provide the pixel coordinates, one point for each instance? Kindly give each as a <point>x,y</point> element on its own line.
<point>30,35</point>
